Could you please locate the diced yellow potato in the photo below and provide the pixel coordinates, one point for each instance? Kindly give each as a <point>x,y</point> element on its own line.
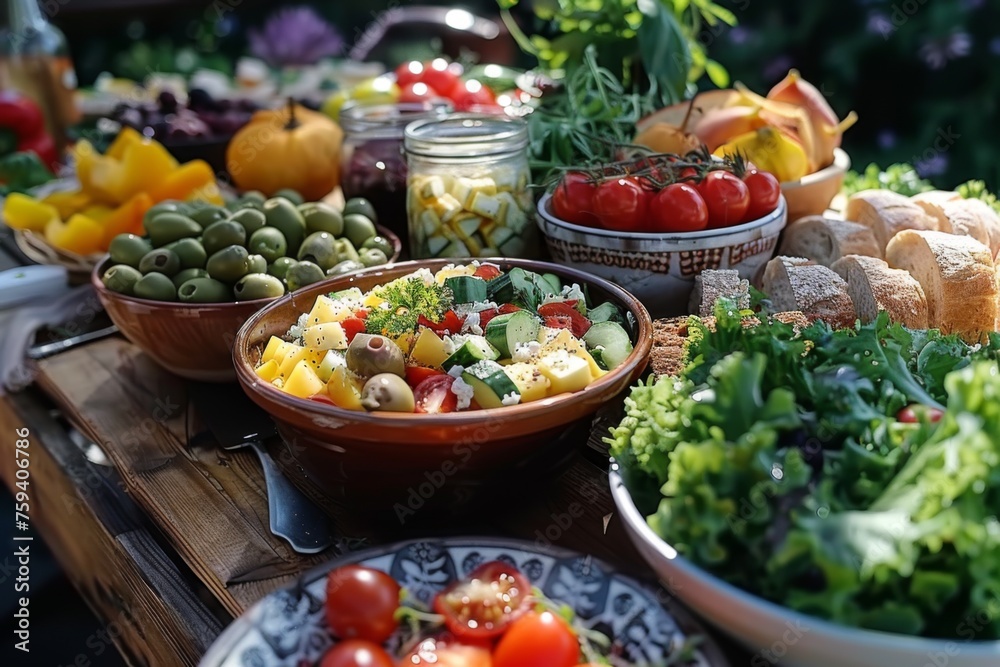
<point>267,371</point>
<point>428,350</point>
<point>566,372</point>
<point>530,381</point>
<point>303,381</point>
<point>327,310</point>
<point>565,340</point>
<point>325,336</point>
<point>343,390</point>
<point>272,347</point>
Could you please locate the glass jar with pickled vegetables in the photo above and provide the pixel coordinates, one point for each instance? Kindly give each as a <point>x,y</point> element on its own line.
<point>373,165</point>
<point>468,193</point>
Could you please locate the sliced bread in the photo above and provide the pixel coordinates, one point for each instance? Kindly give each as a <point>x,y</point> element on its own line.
<point>957,275</point>
<point>813,289</point>
<point>887,213</point>
<point>712,285</point>
<point>875,287</point>
<point>825,240</point>
<point>933,201</point>
<point>975,218</point>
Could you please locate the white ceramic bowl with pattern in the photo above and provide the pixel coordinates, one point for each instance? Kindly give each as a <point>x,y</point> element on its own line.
<point>659,269</point>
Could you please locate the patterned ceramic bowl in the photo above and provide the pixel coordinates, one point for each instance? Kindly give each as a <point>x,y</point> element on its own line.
<point>288,628</point>
<point>659,269</point>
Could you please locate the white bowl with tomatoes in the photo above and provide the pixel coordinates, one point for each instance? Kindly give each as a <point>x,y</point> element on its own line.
<point>652,224</point>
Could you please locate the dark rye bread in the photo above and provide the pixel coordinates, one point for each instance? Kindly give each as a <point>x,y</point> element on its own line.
<point>667,355</point>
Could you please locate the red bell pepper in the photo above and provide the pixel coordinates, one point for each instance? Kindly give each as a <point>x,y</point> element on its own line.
<point>22,128</point>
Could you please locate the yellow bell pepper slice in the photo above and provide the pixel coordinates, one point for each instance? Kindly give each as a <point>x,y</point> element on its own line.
<point>127,137</point>
<point>79,234</point>
<point>127,218</point>
<point>68,202</point>
<point>188,181</point>
<point>23,212</point>
<point>142,168</point>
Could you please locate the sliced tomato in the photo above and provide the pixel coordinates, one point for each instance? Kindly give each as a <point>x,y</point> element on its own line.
<point>558,322</point>
<point>449,324</point>
<point>579,324</point>
<point>446,651</point>
<point>417,374</point>
<point>434,395</point>
<point>487,272</point>
<point>352,326</point>
<point>508,308</point>
<point>486,315</point>
<point>485,604</point>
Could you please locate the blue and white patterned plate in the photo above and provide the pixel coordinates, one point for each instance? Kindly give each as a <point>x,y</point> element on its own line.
<point>288,629</point>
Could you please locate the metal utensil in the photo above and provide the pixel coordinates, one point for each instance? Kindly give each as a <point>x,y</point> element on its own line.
<point>48,349</point>
<point>237,422</point>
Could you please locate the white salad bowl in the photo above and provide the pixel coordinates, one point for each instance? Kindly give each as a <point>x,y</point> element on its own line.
<point>660,268</point>
<point>781,636</point>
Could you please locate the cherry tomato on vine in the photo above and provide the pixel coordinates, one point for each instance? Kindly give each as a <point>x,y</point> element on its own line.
<point>621,204</point>
<point>727,198</point>
<point>440,75</point>
<point>678,208</point>
<point>485,604</point>
<point>470,95</point>
<point>573,199</point>
<point>537,640</point>
<point>361,603</point>
<point>417,92</point>
<point>409,72</point>
<point>356,653</point>
<point>765,191</point>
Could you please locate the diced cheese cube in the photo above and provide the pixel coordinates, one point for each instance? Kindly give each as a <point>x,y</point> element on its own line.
<point>303,381</point>
<point>294,355</point>
<point>468,224</point>
<point>272,346</point>
<point>463,189</point>
<point>530,381</point>
<point>343,390</point>
<point>485,205</point>
<point>446,207</point>
<point>507,179</point>
<point>429,350</point>
<point>486,185</point>
<point>432,187</point>
<point>566,372</point>
<point>511,213</point>
<point>326,336</point>
<point>567,342</point>
<point>326,309</point>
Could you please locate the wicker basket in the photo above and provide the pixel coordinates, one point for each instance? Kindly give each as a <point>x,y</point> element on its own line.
<point>37,249</point>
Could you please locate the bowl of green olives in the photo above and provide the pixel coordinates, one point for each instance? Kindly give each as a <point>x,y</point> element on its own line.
<point>183,290</point>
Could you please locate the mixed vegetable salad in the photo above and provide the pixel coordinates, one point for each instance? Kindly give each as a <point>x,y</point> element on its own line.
<point>467,337</point>
<point>851,474</point>
<point>491,618</point>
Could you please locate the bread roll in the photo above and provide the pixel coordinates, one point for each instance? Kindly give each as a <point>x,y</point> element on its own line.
<point>887,213</point>
<point>825,240</point>
<point>975,218</point>
<point>875,287</point>
<point>712,285</point>
<point>957,275</point>
<point>815,290</point>
<point>932,202</point>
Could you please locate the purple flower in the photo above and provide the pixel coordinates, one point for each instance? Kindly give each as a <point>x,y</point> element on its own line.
<point>880,24</point>
<point>937,52</point>
<point>932,166</point>
<point>739,35</point>
<point>295,36</point>
<point>886,139</point>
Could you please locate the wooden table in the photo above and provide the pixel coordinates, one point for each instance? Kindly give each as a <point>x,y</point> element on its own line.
<point>170,541</point>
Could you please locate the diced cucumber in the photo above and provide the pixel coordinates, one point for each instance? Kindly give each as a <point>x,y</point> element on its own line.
<point>490,384</point>
<point>329,363</point>
<point>513,247</point>
<point>469,226</point>
<point>553,280</point>
<point>613,341</point>
<point>454,249</point>
<point>505,332</point>
<point>473,350</point>
<point>501,235</point>
<point>436,245</point>
<point>466,289</point>
<point>499,290</point>
<point>606,312</point>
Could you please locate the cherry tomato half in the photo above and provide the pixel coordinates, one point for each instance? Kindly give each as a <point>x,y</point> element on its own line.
<point>434,395</point>
<point>911,414</point>
<point>727,198</point>
<point>486,603</point>
<point>621,203</point>
<point>361,603</point>
<point>356,653</point>
<point>445,651</point>
<point>573,199</point>
<point>765,191</point>
<point>409,72</point>
<point>537,640</point>
<point>678,208</point>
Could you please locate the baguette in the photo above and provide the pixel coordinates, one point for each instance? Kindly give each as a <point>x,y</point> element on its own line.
<point>932,203</point>
<point>957,275</point>
<point>825,240</point>
<point>712,285</point>
<point>813,289</point>
<point>975,218</point>
<point>875,287</point>
<point>887,213</point>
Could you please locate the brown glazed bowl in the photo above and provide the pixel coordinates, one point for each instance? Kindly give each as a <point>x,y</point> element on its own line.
<point>401,462</point>
<point>194,341</point>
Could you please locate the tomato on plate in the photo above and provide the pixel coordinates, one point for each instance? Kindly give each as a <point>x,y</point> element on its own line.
<point>445,651</point>
<point>621,203</point>
<point>451,323</point>
<point>912,414</point>
<point>579,324</point>
<point>484,605</point>
<point>413,93</point>
<point>361,603</point>
<point>537,640</point>
<point>440,75</point>
<point>573,199</point>
<point>409,72</point>
<point>508,308</point>
<point>356,653</point>
<point>487,272</point>
<point>727,198</point>
<point>471,94</point>
<point>678,208</point>
<point>765,191</point>
<point>417,374</point>
<point>434,395</point>
<point>322,398</point>
<point>352,326</point>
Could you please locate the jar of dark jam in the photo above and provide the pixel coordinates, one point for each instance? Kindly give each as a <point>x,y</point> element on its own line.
<point>373,165</point>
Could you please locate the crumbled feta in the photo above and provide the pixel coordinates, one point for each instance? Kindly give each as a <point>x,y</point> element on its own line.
<point>424,274</point>
<point>384,305</point>
<point>525,352</point>
<point>303,320</point>
<point>449,344</point>
<point>545,334</point>
<point>463,391</point>
<point>511,399</point>
<point>463,309</point>
<point>471,324</point>
<point>456,371</point>
<point>569,293</point>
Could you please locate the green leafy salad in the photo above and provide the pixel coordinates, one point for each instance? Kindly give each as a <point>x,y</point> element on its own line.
<point>852,474</point>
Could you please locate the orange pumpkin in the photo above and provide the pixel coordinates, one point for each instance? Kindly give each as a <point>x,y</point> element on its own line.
<point>291,147</point>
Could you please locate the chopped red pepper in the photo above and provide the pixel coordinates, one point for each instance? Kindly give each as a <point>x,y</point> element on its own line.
<point>487,272</point>
<point>578,323</point>
<point>486,315</point>
<point>451,323</point>
<point>352,326</point>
